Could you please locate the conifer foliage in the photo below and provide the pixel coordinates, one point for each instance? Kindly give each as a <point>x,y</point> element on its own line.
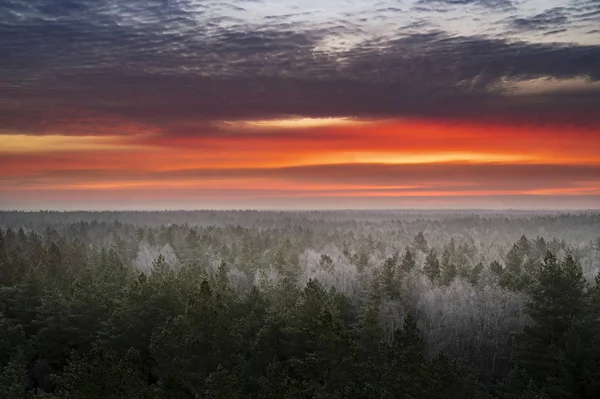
<point>116,310</point>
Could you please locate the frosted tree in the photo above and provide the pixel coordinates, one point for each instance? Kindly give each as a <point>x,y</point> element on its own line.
<point>147,254</point>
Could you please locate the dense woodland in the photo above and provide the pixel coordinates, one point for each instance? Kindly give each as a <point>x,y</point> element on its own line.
<point>346,304</point>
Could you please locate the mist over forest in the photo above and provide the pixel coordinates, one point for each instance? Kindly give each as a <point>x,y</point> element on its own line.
<point>314,304</point>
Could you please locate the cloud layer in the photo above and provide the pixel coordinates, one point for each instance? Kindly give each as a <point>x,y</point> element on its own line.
<point>147,63</point>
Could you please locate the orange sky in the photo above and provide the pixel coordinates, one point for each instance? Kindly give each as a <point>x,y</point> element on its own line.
<point>307,163</point>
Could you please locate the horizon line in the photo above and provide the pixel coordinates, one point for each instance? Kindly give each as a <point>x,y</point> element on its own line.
<point>166,210</point>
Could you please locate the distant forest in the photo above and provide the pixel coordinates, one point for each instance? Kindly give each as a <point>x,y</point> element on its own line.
<point>319,304</point>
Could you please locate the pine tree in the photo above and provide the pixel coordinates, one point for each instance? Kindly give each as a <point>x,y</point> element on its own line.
<point>519,385</point>
<point>579,361</point>
<point>13,343</point>
<point>589,342</point>
<point>102,374</point>
<point>191,252</point>
<point>6,273</point>
<point>557,300</point>
<point>53,259</point>
<point>408,262</point>
<point>448,269</point>
<point>361,259</point>
<point>326,263</point>
<point>223,384</point>
<point>539,248</point>
<point>369,331</point>
<point>474,273</point>
<point>419,242</point>
<point>432,266</point>
<point>496,268</point>
<point>523,247</point>
<point>405,372</point>
<point>14,382</point>
<point>511,277</point>
<point>390,277</point>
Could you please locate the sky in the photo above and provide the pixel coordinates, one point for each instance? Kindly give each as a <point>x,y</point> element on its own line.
<point>299,104</point>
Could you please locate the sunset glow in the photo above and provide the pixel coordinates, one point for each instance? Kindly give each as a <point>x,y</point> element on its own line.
<point>283,163</point>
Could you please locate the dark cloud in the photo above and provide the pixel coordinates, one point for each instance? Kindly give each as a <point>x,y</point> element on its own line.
<point>586,9</point>
<point>166,63</point>
<point>548,20</point>
<point>553,32</point>
<point>438,5</point>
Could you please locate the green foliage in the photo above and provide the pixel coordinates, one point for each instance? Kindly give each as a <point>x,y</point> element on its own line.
<point>13,343</point>
<point>553,348</point>
<point>14,382</point>
<point>520,268</point>
<point>102,374</point>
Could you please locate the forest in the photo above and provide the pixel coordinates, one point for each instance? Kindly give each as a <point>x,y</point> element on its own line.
<point>316,304</point>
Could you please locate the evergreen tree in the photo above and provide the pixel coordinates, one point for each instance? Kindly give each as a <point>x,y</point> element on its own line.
<point>496,268</point>
<point>448,269</point>
<point>361,259</point>
<point>419,242</point>
<point>579,360</point>
<point>102,374</point>
<point>556,302</point>
<point>14,382</point>
<point>518,385</point>
<point>224,384</point>
<point>53,259</point>
<point>408,262</point>
<point>5,273</point>
<point>390,277</point>
<point>511,276</point>
<point>9,274</point>
<point>521,266</point>
<point>523,247</point>
<point>192,249</point>
<point>474,274</point>
<point>326,263</point>
<point>405,372</point>
<point>432,266</point>
<point>13,343</point>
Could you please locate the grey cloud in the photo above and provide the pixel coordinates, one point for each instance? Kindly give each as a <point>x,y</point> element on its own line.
<point>548,20</point>
<point>553,32</point>
<point>438,5</point>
